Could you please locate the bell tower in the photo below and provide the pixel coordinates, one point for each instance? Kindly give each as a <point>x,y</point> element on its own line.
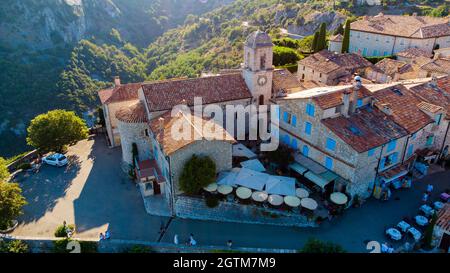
<point>258,68</point>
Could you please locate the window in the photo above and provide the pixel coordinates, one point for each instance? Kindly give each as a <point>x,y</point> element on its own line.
<point>146,132</point>
<point>359,103</point>
<point>413,136</point>
<point>328,163</point>
<point>375,52</point>
<point>294,120</point>
<point>263,62</point>
<point>305,150</point>
<point>388,161</point>
<point>286,117</point>
<point>286,139</point>
<point>310,109</point>
<point>430,140</point>
<point>364,52</point>
<point>371,152</point>
<point>386,53</point>
<point>391,146</point>
<point>410,150</point>
<point>437,119</point>
<point>331,144</point>
<point>294,144</point>
<point>308,128</point>
<point>320,75</point>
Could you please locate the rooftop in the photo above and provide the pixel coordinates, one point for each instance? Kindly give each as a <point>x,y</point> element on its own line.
<point>366,129</point>
<point>284,80</point>
<point>334,99</point>
<point>436,94</point>
<point>123,92</point>
<point>171,141</point>
<point>403,105</point>
<point>404,26</point>
<point>337,38</point>
<point>134,113</point>
<point>164,95</point>
<point>443,220</point>
<point>326,61</point>
<point>441,66</point>
<point>258,39</point>
<point>414,52</point>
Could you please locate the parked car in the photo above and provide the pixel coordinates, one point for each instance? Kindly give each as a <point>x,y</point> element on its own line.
<point>58,160</point>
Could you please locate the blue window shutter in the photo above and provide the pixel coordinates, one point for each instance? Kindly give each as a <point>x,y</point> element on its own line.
<point>371,152</point>
<point>305,150</point>
<point>312,110</point>
<point>392,145</point>
<point>308,128</point>
<point>294,120</point>
<point>410,149</point>
<point>328,162</point>
<point>331,144</point>
<point>359,102</point>
<point>383,160</point>
<point>394,158</point>
<point>307,108</point>
<point>294,144</point>
<point>285,116</point>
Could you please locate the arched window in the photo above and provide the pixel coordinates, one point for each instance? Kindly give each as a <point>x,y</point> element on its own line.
<point>261,100</point>
<point>263,62</point>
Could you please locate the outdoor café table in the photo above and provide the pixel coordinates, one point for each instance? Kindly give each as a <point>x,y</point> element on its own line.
<point>438,205</point>
<point>225,189</point>
<point>403,226</point>
<point>338,198</point>
<point>301,193</point>
<point>292,201</point>
<point>243,192</point>
<point>211,187</point>
<point>259,196</point>
<point>309,203</point>
<point>394,234</point>
<point>415,233</point>
<point>427,210</point>
<point>421,220</point>
<point>275,199</point>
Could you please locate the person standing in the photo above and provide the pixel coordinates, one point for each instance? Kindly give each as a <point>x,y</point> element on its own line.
<point>429,188</point>
<point>175,239</point>
<point>192,241</point>
<point>425,197</point>
<point>229,243</point>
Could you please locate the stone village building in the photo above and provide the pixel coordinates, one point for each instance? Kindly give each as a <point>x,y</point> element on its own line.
<point>356,135</point>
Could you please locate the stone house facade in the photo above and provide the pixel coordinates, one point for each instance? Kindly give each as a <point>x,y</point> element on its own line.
<point>384,35</point>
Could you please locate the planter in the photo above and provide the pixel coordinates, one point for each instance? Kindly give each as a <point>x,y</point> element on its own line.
<point>15,224</point>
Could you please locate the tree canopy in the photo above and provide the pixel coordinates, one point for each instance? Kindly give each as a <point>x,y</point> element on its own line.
<point>55,129</point>
<point>346,39</point>
<point>4,173</point>
<point>285,55</point>
<point>197,173</point>
<point>317,246</point>
<point>11,203</point>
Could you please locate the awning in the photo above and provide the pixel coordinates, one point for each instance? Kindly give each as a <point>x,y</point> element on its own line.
<point>317,179</point>
<point>400,174</point>
<point>297,167</point>
<point>251,179</point>
<point>281,185</point>
<point>240,150</point>
<point>253,164</point>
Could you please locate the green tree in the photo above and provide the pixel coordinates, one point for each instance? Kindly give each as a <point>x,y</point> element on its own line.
<point>346,39</point>
<point>56,129</point>
<point>315,42</point>
<point>4,173</point>
<point>281,156</point>
<point>428,236</point>
<point>11,203</point>
<point>197,173</point>
<point>317,246</point>
<point>322,39</point>
<point>339,30</point>
<point>285,55</point>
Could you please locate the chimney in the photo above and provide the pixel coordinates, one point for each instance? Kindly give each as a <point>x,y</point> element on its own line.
<point>346,100</point>
<point>356,86</point>
<point>116,81</point>
<point>433,81</point>
<point>386,108</point>
<point>414,14</point>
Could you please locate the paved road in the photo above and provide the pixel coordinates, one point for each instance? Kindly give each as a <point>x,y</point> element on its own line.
<point>94,194</point>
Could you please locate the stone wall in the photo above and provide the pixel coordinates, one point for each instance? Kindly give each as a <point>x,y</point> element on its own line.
<point>195,208</point>
<point>134,133</point>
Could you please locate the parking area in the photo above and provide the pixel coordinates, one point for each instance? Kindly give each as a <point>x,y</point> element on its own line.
<point>91,191</point>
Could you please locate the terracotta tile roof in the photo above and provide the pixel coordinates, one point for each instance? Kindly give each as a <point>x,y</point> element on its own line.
<point>164,95</point>
<point>135,113</point>
<point>428,107</point>
<point>404,26</point>
<point>390,173</point>
<point>443,220</point>
<point>284,80</point>
<point>441,65</point>
<point>120,93</point>
<point>366,129</point>
<point>334,99</point>
<point>414,52</point>
<point>438,94</point>
<point>149,168</point>
<point>403,104</point>
<point>325,61</point>
<point>162,130</point>
<point>390,66</point>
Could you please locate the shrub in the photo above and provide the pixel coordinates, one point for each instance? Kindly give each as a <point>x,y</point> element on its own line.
<point>197,173</point>
<point>285,55</point>
<point>139,249</point>
<point>15,246</point>
<point>60,246</point>
<point>4,173</point>
<point>212,201</point>
<point>376,59</point>
<point>317,246</point>
<point>89,247</point>
<point>61,231</point>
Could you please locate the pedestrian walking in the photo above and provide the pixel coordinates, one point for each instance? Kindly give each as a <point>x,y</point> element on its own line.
<point>230,243</point>
<point>107,234</point>
<point>429,188</point>
<point>102,237</point>
<point>192,241</point>
<point>175,239</point>
<point>425,197</point>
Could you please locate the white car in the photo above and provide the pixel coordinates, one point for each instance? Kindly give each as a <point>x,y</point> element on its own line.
<point>58,160</point>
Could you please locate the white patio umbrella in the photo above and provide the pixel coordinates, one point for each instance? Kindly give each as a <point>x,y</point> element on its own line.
<point>211,187</point>
<point>227,178</point>
<point>301,193</point>
<point>275,200</point>
<point>243,192</point>
<point>260,196</point>
<point>309,203</point>
<point>253,164</point>
<point>338,198</point>
<point>225,189</point>
<point>292,201</point>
